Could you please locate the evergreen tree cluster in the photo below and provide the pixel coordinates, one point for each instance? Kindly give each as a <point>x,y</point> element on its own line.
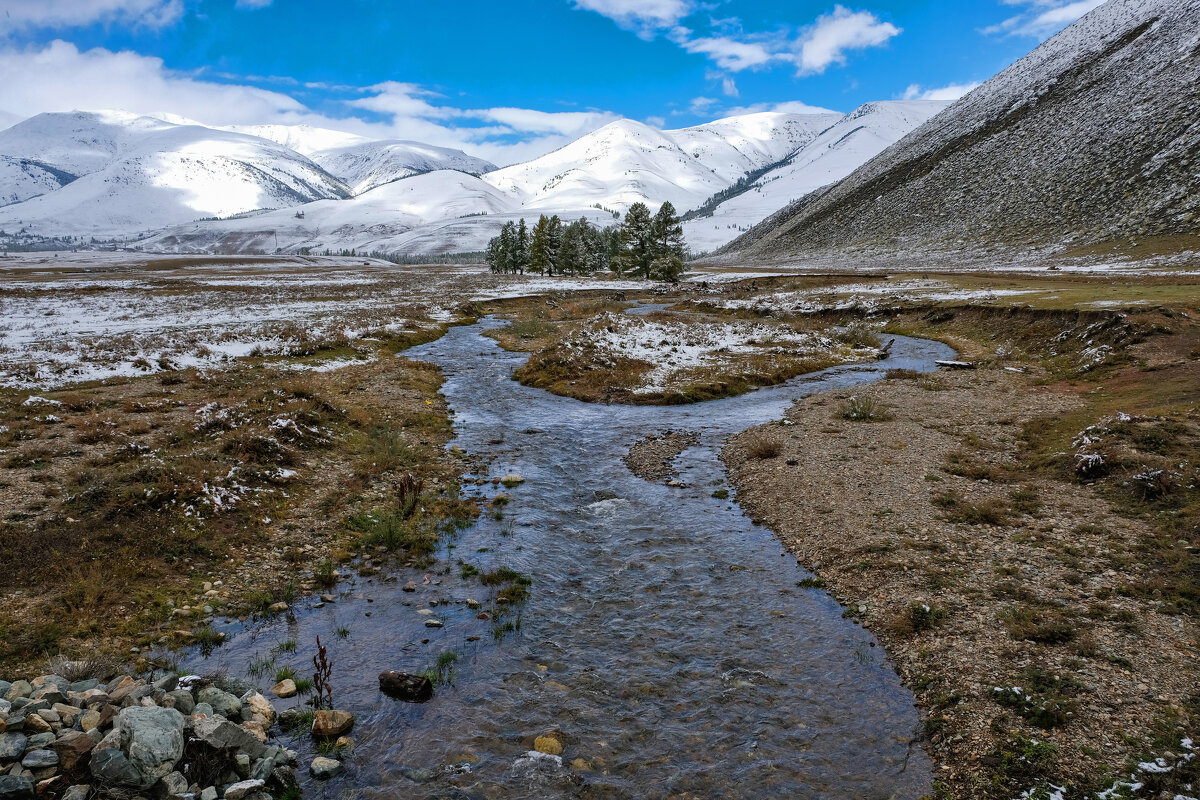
<point>642,246</point>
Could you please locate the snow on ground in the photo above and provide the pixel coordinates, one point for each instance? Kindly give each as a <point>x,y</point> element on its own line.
<point>865,295</point>
<point>681,349</point>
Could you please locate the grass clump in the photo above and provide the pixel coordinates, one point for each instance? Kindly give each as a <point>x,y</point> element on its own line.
<point>1045,626</point>
<point>917,618</point>
<point>1041,698</point>
<point>864,409</point>
<point>761,445</point>
<point>986,511</point>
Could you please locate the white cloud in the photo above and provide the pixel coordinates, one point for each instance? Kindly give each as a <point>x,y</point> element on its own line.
<point>729,53</point>
<point>60,77</point>
<point>643,16</point>
<point>729,87</point>
<point>62,13</point>
<point>1041,18</point>
<point>701,105</point>
<point>252,4</point>
<point>952,92</point>
<point>789,107</point>
<point>828,39</point>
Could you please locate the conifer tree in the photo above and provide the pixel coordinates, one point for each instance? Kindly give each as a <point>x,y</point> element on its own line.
<point>636,241</point>
<point>666,233</point>
<point>554,230</point>
<point>520,259</point>
<point>539,247</point>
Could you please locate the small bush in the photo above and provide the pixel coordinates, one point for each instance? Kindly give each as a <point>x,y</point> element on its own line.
<point>864,409</point>
<point>762,445</point>
<point>1041,698</point>
<point>917,618</point>
<point>1026,623</point>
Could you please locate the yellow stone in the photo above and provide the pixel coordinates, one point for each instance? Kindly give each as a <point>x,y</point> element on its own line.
<point>548,745</point>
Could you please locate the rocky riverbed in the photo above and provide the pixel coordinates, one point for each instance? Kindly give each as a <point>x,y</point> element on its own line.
<point>151,735</point>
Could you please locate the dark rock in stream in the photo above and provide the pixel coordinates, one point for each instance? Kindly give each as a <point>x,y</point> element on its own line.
<point>406,687</point>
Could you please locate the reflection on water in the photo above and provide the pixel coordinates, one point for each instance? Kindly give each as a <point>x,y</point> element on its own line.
<point>664,642</point>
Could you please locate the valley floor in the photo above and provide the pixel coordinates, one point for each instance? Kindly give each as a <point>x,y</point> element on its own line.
<point>184,438</point>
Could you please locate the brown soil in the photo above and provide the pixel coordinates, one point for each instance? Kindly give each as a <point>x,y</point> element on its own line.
<point>652,458</point>
<point>977,572</point>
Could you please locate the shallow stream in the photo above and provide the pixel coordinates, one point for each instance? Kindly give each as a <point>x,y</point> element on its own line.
<point>665,641</point>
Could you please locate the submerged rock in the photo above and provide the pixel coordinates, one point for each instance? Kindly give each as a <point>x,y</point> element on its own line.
<point>323,768</point>
<point>406,687</point>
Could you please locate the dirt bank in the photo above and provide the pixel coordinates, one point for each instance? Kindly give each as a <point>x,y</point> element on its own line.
<point>980,574</point>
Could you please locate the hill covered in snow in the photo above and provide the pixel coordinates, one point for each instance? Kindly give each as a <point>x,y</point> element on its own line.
<point>1090,138</point>
<point>832,155</point>
<point>134,173</point>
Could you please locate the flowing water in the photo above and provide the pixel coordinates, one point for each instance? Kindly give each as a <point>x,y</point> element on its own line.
<point>665,641</point>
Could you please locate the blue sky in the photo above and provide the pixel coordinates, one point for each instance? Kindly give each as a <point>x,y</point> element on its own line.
<point>505,80</point>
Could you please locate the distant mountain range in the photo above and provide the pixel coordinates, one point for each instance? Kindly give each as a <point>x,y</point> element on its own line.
<point>169,183</point>
<point>1093,137</point>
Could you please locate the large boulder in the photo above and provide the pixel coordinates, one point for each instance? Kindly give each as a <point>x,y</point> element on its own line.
<point>152,741</point>
<point>221,701</point>
<point>222,734</point>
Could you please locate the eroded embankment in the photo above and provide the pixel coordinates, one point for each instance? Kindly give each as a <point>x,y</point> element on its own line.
<point>1042,610</point>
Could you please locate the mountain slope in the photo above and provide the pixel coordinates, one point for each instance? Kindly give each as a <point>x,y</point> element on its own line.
<point>627,162</point>
<point>835,153</point>
<point>23,178</point>
<point>141,173</point>
<point>1091,137</point>
<point>366,165</point>
<point>372,221</point>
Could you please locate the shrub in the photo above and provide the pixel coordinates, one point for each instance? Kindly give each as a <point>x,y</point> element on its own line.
<point>1027,623</point>
<point>864,409</point>
<point>762,445</point>
<point>916,618</point>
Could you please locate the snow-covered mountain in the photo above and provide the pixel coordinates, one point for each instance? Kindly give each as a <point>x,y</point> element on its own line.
<point>362,163</point>
<point>140,173</point>
<point>23,178</point>
<point>1092,137</point>
<point>366,165</point>
<point>175,184</point>
<point>836,152</point>
<point>626,162</point>
<point>375,220</point>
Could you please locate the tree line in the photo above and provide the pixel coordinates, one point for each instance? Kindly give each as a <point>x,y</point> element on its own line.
<point>642,246</point>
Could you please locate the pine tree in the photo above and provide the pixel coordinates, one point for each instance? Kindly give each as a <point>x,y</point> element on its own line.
<point>666,233</point>
<point>554,230</point>
<point>539,247</point>
<point>636,241</point>
<point>521,253</point>
<point>495,258</point>
<point>508,247</point>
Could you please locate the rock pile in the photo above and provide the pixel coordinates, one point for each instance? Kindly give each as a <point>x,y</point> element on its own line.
<point>159,736</point>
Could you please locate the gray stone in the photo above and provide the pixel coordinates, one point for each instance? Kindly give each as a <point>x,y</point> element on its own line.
<point>12,745</point>
<point>112,768</point>
<point>239,790</point>
<point>234,685</point>
<point>83,686</point>
<point>263,767</point>
<point>172,785</point>
<point>203,709</point>
<point>184,701</point>
<point>18,689</point>
<point>79,791</point>
<point>155,741</point>
<point>222,702</point>
<point>168,683</point>
<point>323,768</point>
<point>5,705</point>
<point>50,693</point>
<point>223,734</point>
<point>40,759</point>
<point>4,687</point>
<point>13,787</point>
<point>209,793</point>
<point>241,763</point>
<point>40,740</point>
